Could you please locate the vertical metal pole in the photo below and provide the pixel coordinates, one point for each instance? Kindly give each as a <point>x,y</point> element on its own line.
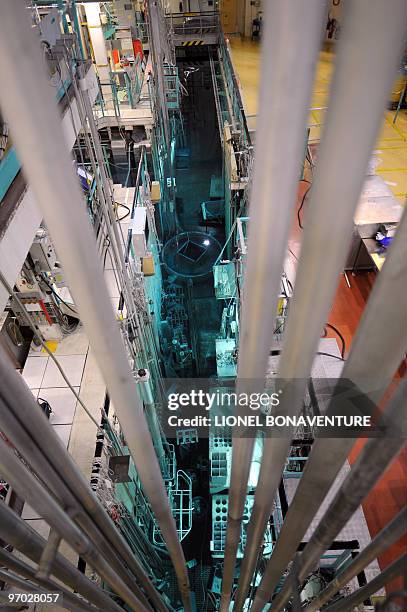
<point>77,28</point>
<point>35,125</point>
<point>290,45</point>
<point>61,7</point>
<point>400,102</point>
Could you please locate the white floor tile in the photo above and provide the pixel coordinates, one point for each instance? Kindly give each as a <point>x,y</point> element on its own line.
<point>355,529</point>
<point>74,344</point>
<point>36,351</point>
<point>63,431</point>
<point>63,404</point>
<point>29,513</point>
<point>33,371</point>
<point>73,367</point>
<point>41,527</point>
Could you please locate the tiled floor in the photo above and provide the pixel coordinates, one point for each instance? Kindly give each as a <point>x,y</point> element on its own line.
<point>34,370</point>
<point>73,367</point>
<point>45,381</point>
<point>63,404</point>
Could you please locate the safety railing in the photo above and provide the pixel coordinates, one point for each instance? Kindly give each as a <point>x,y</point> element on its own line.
<point>180,496</point>
<point>199,24</point>
<point>233,91</point>
<point>124,90</point>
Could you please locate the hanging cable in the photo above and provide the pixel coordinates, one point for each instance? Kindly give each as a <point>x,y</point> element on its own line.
<point>293,254</point>
<point>330,355</point>
<point>338,333</point>
<point>106,252</point>
<point>57,294</point>
<point>303,202</point>
<point>126,214</point>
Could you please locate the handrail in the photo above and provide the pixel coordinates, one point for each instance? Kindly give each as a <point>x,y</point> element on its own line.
<point>235,90</point>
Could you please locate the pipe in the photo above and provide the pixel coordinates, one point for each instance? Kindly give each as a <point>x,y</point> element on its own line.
<point>34,437</point>
<point>371,463</point>
<point>290,44</point>
<point>27,102</point>
<point>14,430</point>
<point>20,567</point>
<point>397,568</point>
<point>154,426</point>
<point>146,393</point>
<point>384,539</point>
<point>372,354</point>
<point>31,490</point>
<point>362,71</point>
<point>23,538</point>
